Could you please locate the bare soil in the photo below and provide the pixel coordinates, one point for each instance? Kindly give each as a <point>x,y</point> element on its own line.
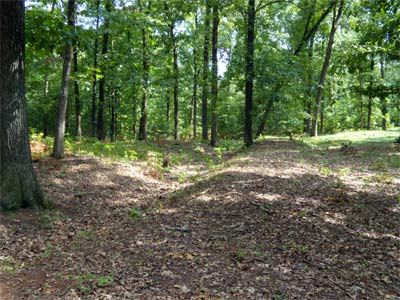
<point>277,221</point>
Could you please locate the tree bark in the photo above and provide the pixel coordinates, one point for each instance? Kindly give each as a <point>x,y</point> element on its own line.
<point>309,97</point>
<point>58,148</point>
<point>204,92</point>
<point>143,106</point>
<point>369,105</point>
<point>45,113</point>
<point>324,70</point>
<point>193,112</point>
<point>361,80</point>
<point>101,134</point>
<point>18,184</point>
<point>214,75</point>
<point>249,74</point>
<point>176,78</point>
<point>78,116</point>
<point>93,123</point>
<point>383,97</point>
<point>113,121</point>
<point>264,118</point>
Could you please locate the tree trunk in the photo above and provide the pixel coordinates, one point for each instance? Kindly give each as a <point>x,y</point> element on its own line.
<point>248,110</point>
<point>309,97</point>
<point>134,114</point>
<point>58,148</point>
<point>168,106</point>
<point>101,135</point>
<point>193,112</point>
<point>204,92</point>
<point>369,106</point>
<point>45,95</point>
<point>214,75</point>
<point>93,123</point>
<point>78,116</point>
<point>383,97</point>
<point>324,70</point>
<point>361,80</point>
<point>264,118</point>
<point>113,120</point>
<point>176,77</point>
<point>321,118</point>
<point>143,106</point>
<point>18,184</point>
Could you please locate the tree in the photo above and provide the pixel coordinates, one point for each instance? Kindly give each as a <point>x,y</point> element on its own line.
<point>101,134</point>
<point>214,74</point>
<point>335,23</point>
<point>93,123</point>
<point>18,184</point>
<point>249,74</point>
<point>78,116</point>
<point>204,91</point>
<point>58,147</point>
<point>146,68</point>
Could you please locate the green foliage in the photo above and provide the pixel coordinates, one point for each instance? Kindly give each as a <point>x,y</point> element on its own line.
<point>104,281</point>
<point>135,213</point>
<point>240,255</point>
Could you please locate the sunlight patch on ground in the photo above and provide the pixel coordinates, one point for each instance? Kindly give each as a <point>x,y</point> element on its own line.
<point>375,235</point>
<point>335,218</point>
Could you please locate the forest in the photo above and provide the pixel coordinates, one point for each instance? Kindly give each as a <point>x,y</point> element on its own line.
<point>199,149</point>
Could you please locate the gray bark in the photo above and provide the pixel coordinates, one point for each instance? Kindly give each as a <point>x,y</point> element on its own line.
<point>18,183</point>
<point>58,148</point>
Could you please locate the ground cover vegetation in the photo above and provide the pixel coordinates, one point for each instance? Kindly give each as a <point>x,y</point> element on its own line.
<point>199,149</point>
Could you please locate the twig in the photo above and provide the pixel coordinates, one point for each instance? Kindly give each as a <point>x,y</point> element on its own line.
<point>261,206</point>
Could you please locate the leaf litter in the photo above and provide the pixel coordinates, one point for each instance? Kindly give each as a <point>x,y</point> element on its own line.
<point>270,223</point>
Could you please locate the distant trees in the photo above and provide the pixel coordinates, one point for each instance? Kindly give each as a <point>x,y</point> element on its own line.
<point>149,69</point>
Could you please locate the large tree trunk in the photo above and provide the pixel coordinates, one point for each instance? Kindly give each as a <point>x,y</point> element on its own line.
<point>143,107</point>
<point>204,92</point>
<point>18,184</point>
<point>93,123</point>
<point>78,116</point>
<point>58,148</point>
<point>324,70</point>
<point>214,75</point>
<point>248,110</point>
<point>101,134</point>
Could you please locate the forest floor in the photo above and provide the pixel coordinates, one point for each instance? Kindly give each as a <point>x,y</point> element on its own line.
<point>281,220</point>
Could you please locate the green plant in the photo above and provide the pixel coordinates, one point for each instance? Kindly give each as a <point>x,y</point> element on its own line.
<point>379,164</point>
<point>45,221</point>
<point>325,171</point>
<point>104,281</point>
<point>302,214</point>
<point>181,177</point>
<point>344,171</point>
<point>298,248</point>
<point>8,264</point>
<point>135,213</point>
<point>385,178</point>
<point>240,255</point>
<point>48,251</point>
